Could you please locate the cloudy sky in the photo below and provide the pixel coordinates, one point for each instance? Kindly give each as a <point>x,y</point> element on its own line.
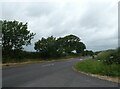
<point>94,21</point>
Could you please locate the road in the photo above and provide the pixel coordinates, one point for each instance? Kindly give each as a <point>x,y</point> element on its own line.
<point>51,74</point>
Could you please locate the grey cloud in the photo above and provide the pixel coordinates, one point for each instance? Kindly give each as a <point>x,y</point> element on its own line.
<point>14,11</point>
<point>8,13</point>
<point>41,8</point>
<point>97,15</point>
<point>103,44</point>
<point>94,22</point>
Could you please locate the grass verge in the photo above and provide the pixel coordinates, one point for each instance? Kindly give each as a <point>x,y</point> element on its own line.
<point>97,67</point>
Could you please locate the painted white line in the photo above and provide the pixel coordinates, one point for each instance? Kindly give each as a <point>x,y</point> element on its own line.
<point>48,65</point>
<point>80,59</point>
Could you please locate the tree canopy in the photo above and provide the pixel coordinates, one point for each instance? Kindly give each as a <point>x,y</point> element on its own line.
<point>46,47</point>
<point>52,47</point>
<point>14,36</point>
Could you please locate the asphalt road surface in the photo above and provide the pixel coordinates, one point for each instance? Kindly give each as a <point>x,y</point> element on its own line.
<point>51,74</point>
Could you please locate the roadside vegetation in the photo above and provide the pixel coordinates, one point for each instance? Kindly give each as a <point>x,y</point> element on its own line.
<point>15,36</point>
<point>105,63</point>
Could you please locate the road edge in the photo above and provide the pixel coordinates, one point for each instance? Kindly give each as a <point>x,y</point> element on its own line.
<point>11,65</point>
<point>115,80</point>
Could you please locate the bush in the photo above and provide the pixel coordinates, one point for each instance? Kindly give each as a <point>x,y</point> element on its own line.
<point>116,56</point>
<point>109,56</point>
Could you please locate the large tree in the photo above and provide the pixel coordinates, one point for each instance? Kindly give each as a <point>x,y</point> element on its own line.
<point>46,47</point>
<point>52,47</point>
<point>15,35</point>
<point>71,43</point>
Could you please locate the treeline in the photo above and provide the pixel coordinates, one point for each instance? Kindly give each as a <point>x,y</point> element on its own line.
<point>63,46</point>
<point>15,35</point>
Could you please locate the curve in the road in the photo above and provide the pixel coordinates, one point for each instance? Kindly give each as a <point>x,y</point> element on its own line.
<point>52,74</point>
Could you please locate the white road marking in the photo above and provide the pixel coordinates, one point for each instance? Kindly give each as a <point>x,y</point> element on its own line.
<point>48,65</point>
<point>81,59</point>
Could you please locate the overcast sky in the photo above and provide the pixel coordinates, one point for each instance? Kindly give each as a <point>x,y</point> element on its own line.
<point>94,21</point>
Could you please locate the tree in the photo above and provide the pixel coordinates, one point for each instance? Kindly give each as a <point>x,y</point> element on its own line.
<point>88,53</point>
<point>52,47</point>
<point>14,36</point>
<point>80,46</point>
<point>71,43</point>
<point>47,47</point>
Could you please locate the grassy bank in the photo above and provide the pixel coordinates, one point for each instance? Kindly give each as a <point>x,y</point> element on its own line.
<point>98,67</point>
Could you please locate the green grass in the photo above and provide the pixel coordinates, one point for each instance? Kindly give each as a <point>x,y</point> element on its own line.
<point>97,67</point>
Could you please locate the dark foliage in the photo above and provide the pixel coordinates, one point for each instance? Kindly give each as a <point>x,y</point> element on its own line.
<point>109,56</point>
<point>14,36</point>
<point>52,47</point>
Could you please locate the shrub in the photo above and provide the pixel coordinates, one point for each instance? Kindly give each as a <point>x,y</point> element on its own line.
<point>109,56</point>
